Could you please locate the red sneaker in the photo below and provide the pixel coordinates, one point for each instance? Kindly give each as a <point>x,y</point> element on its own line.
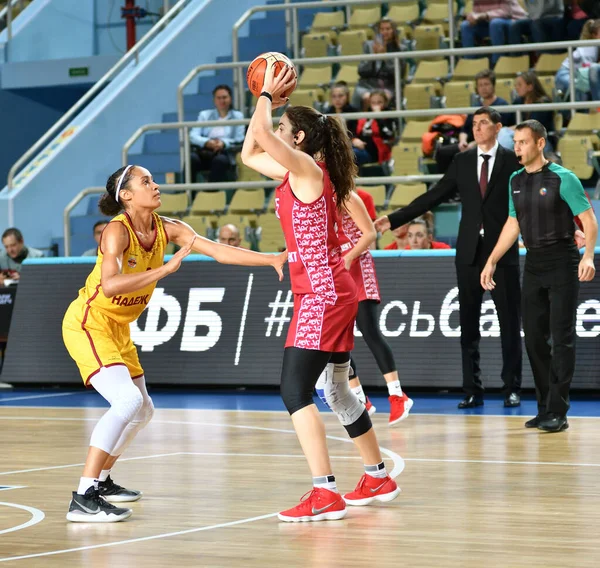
<point>317,505</point>
<point>369,406</point>
<point>399,408</point>
<point>371,489</point>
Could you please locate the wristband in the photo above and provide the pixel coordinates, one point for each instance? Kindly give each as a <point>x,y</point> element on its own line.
<point>268,95</point>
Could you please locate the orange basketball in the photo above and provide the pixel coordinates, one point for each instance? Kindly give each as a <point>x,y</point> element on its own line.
<point>255,76</point>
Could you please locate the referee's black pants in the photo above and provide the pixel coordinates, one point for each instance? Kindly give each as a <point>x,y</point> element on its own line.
<point>550,291</point>
<point>507,299</point>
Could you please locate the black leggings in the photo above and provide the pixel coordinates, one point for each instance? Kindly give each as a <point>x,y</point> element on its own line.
<point>366,321</point>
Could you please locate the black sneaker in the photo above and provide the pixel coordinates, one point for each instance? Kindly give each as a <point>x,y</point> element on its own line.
<point>91,508</point>
<point>117,494</point>
<point>533,423</point>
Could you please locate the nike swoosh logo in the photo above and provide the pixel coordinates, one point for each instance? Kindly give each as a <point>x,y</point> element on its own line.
<point>318,511</point>
<point>87,510</point>
<point>378,488</point>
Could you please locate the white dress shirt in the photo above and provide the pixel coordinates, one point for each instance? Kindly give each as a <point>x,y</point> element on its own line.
<point>492,152</point>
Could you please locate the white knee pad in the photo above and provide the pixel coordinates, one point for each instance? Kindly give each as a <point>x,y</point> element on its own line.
<point>146,412</point>
<point>127,402</point>
<point>338,394</point>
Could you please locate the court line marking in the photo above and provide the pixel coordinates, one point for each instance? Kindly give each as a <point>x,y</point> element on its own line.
<point>415,413</point>
<point>28,397</point>
<point>396,459</point>
<point>238,349</point>
<point>37,516</point>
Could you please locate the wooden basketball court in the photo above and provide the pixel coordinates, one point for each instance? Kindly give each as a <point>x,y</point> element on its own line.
<point>476,491</point>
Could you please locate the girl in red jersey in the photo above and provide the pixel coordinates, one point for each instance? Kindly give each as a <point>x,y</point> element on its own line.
<point>311,154</point>
<point>365,277</point>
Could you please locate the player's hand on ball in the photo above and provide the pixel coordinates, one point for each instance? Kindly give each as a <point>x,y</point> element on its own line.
<point>277,85</point>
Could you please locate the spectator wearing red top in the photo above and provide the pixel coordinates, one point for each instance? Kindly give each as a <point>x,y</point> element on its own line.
<point>420,236</point>
<point>374,137</point>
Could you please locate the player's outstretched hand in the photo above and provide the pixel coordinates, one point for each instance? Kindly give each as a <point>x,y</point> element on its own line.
<point>278,262</point>
<point>383,224</point>
<point>587,270</point>
<point>174,264</point>
<point>280,84</point>
<point>487,280</point>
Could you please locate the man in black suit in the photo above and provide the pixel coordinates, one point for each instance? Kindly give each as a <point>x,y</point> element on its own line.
<point>480,176</point>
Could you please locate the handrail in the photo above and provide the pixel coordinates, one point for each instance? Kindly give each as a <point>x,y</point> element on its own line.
<point>8,13</point>
<point>184,126</point>
<point>225,185</point>
<point>423,54</point>
<point>117,68</point>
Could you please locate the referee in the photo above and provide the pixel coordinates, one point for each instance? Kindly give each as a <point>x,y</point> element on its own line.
<point>543,200</point>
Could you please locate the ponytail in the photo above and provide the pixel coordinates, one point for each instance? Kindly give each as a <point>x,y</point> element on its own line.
<point>326,135</point>
<point>110,204</point>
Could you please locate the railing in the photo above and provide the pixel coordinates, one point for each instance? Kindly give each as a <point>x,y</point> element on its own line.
<point>168,188</point>
<point>7,12</point>
<point>130,56</point>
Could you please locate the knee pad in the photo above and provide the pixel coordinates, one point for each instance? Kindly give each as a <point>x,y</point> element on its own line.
<point>321,381</point>
<point>127,402</point>
<point>146,413</point>
<point>339,396</point>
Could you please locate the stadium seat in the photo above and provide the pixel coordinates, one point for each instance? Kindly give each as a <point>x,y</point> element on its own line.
<point>404,193</point>
<point>349,73</point>
<point>315,76</point>
<point>508,67</point>
<point>329,23</point>
<point>199,223</point>
<point>407,158</point>
<point>418,96</point>
<point>431,71</point>
<point>413,130</point>
<point>466,69</point>
<point>405,15</point>
<point>209,203</point>
<point>428,37</point>
<point>549,63</point>
<point>305,97</point>
<point>246,201</point>
<point>574,153</point>
<point>364,19</point>
<point>352,42</point>
<point>270,233</point>
<point>458,93</point>
<point>378,192</point>
<point>315,45</point>
<point>173,203</point>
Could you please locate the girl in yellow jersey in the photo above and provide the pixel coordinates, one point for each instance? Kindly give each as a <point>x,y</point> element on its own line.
<point>96,325</point>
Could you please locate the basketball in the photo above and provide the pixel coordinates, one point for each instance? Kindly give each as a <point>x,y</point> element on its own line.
<point>255,76</point>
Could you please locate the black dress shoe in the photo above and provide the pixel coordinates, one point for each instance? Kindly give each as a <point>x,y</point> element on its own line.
<point>533,423</point>
<point>553,423</point>
<point>471,401</point>
<point>511,400</point>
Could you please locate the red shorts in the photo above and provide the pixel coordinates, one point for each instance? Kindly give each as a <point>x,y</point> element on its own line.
<point>363,273</point>
<point>321,324</point>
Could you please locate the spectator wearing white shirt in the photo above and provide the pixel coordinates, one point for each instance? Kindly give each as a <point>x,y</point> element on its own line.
<point>15,252</point>
<point>214,147</point>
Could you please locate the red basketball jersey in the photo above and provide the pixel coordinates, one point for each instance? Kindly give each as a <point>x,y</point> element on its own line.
<point>326,299</point>
<point>362,269</point>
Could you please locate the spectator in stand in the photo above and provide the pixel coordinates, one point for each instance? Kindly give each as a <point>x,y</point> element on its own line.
<point>98,228</point>
<point>214,147</point>
<point>485,86</point>
<point>576,17</point>
<point>374,136</point>
<point>340,102</point>
<point>400,238</point>
<point>420,234</point>
<point>378,74</point>
<point>230,235</point>
<point>493,19</point>
<point>545,22</point>
<point>529,91</point>
<point>15,252</point>
<point>582,57</point>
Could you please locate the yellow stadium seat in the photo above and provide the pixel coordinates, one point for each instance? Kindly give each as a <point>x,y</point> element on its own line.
<point>315,45</point>
<point>437,14</point>
<point>209,203</point>
<point>378,192</point>
<point>271,235</point>
<point>173,203</point>
<point>407,157</point>
<point>405,15</point>
<point>352,42</point>
<point>304,97</point>
<point>458,93</point>
<point>549,63</point>
<point>466,69</point>
<point>349,73</point>
<point>508,67</point>
<point>418,96</point>
<point>200,224</point>
<point>428,37</point>
<point>504,89</point>
<point>244,173</point>
<point>329,23</point>
<point>364,19</point>
<point>404,193</point>
<point>413,131</point>
<point>247,201</point>
<point>574,153</point>
<point>315,76</point>
<point>430,71</point>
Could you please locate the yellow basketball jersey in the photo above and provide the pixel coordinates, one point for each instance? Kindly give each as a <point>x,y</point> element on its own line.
<point>125,308</point>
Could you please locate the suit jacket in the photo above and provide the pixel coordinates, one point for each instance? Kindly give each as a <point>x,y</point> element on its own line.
<point>491,211</point>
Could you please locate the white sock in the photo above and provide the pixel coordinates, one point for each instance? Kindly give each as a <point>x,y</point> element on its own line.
<point>85,483</point>
<point>358,391</point>
<point>377,470</point>
<point>325,482</point>
<point>104,474</point>
<point>394,388</point>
